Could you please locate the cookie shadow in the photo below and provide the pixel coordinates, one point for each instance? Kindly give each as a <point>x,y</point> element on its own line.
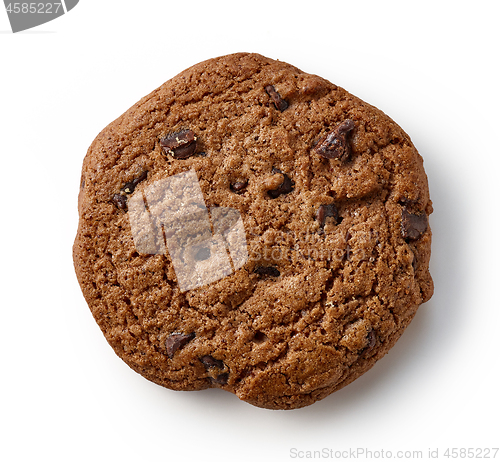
<point>408,367</point>
<point>424,345</point>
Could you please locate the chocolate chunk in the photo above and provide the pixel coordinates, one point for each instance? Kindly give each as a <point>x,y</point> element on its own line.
<point>221,379</point>
<point>181,144</point>
<point>183,152</point>
<point>215,368</point>
<point>325,211</point>
<point>175,342</point>
<point>412,225</point>
<point>120,201</point>
<point>372,339</point>
<point>267,270</point>
<point>178,139</point>
<point>278,101</point>
<point>129,188</point>
<point>260,337</point>
<point>335,144</point>
<point>209,362</point>
<point>239,186</point>
<point>283,188</point>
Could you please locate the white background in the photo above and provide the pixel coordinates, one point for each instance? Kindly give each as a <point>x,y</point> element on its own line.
<point>432,66</point>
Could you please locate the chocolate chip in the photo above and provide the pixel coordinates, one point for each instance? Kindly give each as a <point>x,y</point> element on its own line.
<point>283,188</point>
<point>202,254</point>
<point>120,201</point>
<point>181,144</point>
<point>129,188</point>
<point>183,152</point>
<point>278,101</point>
<point>221,379</point>
<point>260,337</point>
<point>215,368</point>
<point>325,211</point>
<point>267,270</point>
<point>209,362</point>
<point>239,186</point>
<point>371,339</point>
<point>335,144</point>
<point>176,341</point>
<point>413,225</point>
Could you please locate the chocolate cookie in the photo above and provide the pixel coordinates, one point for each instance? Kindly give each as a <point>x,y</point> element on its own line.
<point>252,227</point>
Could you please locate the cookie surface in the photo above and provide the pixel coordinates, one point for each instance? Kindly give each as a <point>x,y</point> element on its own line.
<point>256,228</point>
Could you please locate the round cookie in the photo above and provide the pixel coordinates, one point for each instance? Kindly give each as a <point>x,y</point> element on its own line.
<point>252,227</point>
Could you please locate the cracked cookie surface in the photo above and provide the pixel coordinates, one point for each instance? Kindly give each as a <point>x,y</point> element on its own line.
<point>334,202</point>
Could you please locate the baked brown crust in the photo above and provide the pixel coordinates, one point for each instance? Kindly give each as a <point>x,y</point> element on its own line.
<point>338,244</point>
